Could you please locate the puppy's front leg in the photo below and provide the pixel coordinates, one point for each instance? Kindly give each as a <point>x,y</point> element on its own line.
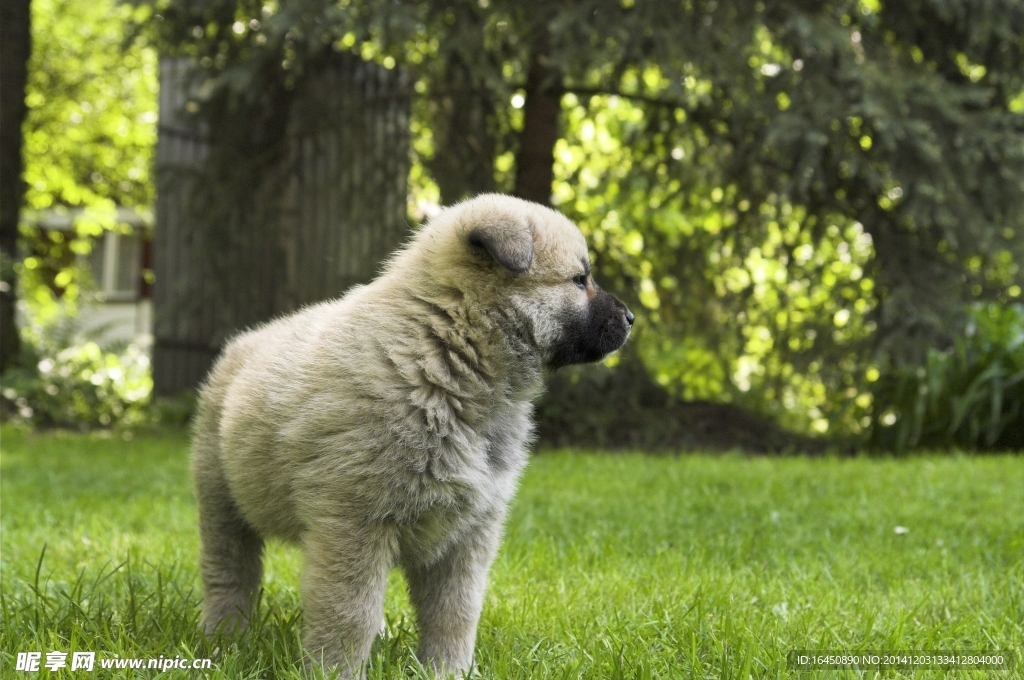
<point>343,592</point>
<point>448,596</point>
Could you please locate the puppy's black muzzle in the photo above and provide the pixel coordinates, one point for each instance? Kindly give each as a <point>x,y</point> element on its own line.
<point>600,329</point>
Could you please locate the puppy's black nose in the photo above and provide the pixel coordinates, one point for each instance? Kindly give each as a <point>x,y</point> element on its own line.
<point>629,317</point>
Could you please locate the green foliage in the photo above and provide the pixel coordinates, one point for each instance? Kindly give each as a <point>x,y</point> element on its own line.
<point>70,381</point>
<point>611,566</point>
<point>91,125</point>
<point>89,138</point>
<point>792,193</point>
<point>52,273</point>
<point>728,313</point>
<point>970,396</point>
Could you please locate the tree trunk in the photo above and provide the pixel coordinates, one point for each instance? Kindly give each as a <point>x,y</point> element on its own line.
<point>15,48</point>
<point>536,156</point>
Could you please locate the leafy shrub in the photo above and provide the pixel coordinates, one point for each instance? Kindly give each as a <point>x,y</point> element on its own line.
<point>67,381</point>
<point>970,396</point>
<point>174,411</point>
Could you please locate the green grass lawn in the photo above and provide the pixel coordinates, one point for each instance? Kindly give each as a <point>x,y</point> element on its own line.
<point>613,565</point>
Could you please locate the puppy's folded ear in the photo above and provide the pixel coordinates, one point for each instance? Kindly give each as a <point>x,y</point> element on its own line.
<point>508,241</point>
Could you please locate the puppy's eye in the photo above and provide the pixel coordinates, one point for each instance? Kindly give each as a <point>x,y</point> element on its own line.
<point>580,281</point>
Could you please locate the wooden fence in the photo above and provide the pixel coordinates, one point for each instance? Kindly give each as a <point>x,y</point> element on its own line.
<point>338,197</point>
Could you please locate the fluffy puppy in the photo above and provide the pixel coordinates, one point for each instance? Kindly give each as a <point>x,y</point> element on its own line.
<point>390,427</point>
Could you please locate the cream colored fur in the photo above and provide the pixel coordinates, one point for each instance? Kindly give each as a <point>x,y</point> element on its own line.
<point>387,428</point>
